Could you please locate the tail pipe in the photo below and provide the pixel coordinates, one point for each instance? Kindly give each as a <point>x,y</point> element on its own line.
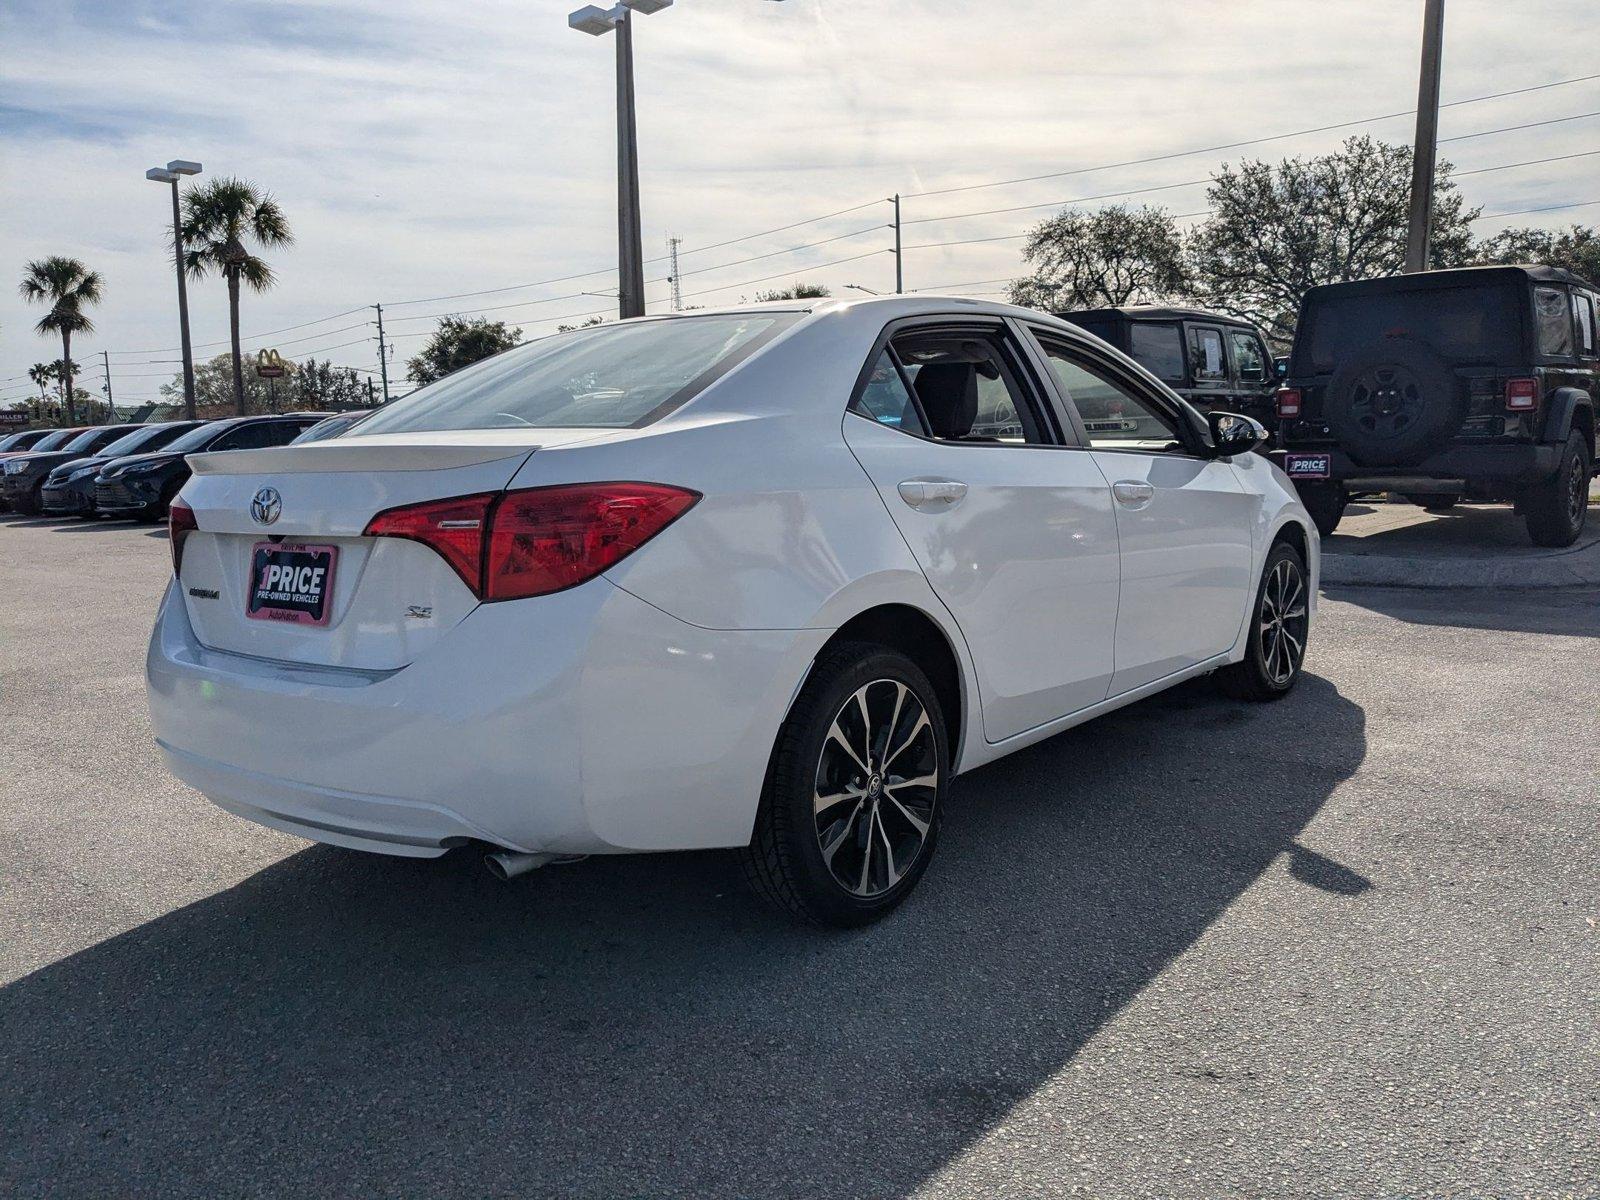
<point>508,864</point>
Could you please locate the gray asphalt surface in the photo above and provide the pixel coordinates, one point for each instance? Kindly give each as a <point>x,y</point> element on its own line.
<point>1343,945</point>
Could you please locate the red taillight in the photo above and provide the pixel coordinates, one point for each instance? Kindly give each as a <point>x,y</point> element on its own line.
<point>1289,402</point>
<point>180,524</point>
<point>1522,395</point>
<point>538,540</point>
<point>452,527</point>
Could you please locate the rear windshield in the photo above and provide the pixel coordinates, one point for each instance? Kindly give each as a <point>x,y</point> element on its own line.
<point>1465,325</point>
<point>1158,349</point>
<point>609,376</point>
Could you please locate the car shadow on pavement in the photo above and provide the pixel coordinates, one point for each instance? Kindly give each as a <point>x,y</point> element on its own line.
<point>1570,612</point>
<point>340,1023</point>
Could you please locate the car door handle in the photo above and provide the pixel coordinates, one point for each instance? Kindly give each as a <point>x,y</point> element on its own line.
<point>1133,493</point>
<point>932,495</point>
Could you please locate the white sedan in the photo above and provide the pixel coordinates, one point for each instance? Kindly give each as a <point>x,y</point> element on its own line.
<point>763,578</point>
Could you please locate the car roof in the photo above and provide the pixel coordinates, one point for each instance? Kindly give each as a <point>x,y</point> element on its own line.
<point>1454,277</point>
<point>1153,312</point>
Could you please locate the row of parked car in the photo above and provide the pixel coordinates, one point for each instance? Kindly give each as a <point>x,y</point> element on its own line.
<point>135,470</point>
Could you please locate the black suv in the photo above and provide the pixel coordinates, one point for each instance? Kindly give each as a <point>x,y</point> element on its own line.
<point>1476,384</point>
<point>1213,361</point>
<point>143,485</point>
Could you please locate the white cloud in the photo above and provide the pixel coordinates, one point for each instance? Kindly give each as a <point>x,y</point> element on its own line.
<point>428,148</point>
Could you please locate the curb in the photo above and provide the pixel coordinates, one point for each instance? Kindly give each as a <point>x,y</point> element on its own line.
<point>1574,568</point>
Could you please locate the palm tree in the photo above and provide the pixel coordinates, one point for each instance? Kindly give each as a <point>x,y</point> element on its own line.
<point>217,218</point>
<point>43,374</point>
<point>66,285</point>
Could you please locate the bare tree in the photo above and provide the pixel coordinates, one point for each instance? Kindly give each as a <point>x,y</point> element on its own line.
<point>1106,258</point>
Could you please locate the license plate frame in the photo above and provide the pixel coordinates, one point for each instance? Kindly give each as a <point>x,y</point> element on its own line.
<point>1308,466</point>
<point>300,597</point>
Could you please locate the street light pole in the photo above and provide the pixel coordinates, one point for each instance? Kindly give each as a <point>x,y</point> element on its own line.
<point>1426,148</point>
<point>630,238</point>
<point>617,19</point>
<point>171,173</point>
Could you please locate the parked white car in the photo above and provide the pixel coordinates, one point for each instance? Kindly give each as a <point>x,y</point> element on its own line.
<point>763,578</point>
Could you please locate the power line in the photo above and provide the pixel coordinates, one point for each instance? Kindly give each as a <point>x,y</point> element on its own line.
<point>781,274</point>
<point>1277,137</point>
<point>1532,162</point>
<point>250,337</point>
<point>1461,137</point>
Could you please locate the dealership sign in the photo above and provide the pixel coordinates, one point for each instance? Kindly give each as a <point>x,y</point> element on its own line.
<point>15,416</point>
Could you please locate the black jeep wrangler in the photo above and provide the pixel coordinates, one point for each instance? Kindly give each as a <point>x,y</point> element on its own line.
<point>1213,361</point>
<point>1472,384</point>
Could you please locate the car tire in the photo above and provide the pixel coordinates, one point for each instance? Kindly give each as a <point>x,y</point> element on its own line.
<point>1279,624</point>
<point>1326,504</point>
<point>31,504</point>
<point>1435,503</point>
<point>857,724</point>
<point>1556,509</point>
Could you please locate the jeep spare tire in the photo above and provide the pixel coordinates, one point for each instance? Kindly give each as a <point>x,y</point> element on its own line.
<point>1393,404</point>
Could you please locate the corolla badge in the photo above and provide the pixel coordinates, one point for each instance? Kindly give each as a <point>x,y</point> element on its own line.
<point>265,506</point>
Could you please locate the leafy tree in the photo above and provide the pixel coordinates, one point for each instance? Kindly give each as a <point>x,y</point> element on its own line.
<point>323,385</point>
<point>214,392</point>
<point>67,286</point>
<point>1577,249</point>
<point>459,342</point>
<point>798,291</point>
<point>1105,258</point>
<point>218,217</point>
<point>1277,230</point>
<point>589,324</point>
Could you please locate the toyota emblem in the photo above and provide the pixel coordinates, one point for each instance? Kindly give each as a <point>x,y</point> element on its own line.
<point>265,506</point>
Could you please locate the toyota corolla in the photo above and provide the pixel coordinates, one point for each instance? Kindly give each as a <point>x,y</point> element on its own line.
<point>763,578</point>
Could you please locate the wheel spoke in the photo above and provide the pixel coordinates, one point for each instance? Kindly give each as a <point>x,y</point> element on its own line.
<point>891,869</point>
<point>915,821</point>
<point>824,803</point>
<point>837,735</point>
<point>920,724</point>
<point>846,827</point>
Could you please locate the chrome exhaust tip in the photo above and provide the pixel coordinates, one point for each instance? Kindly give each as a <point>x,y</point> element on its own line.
<point>508,864</point>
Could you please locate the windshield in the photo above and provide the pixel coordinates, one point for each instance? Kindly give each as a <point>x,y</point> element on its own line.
<point>194,439</point>
<point>17,440</point>
<point>611,376</point>
<point>87,440</point>
<point>131,442</point>
<point>1465,324</point>
<point>56,440</point>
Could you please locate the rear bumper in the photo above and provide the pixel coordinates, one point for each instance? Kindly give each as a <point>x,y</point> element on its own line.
<point>589,722</point>
<point>1511,465</point>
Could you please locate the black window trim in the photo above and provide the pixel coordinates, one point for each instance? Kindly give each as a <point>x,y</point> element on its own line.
<point>1036,391</point>
<point>1254,335</point>
<point>1126,375</point>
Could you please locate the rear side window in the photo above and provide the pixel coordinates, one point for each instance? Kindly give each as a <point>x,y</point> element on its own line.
<point>1249,359</point>
<point>1479,324</point>
<point>967,389</point>
<point>1158,348</point>
<point>1553,316</point>
<point>1583,317</point>
<point>886,399</point>
<point>1205,354</point>
<point>609,376</point>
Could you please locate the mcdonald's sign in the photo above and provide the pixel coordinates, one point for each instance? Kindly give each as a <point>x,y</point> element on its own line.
<point>270,364</point>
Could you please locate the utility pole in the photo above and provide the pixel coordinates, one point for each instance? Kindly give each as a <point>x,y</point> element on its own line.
<point>1426,149</point>
<point>677,288</point>
<point>630,265</point>
<point>111,407</point>
<point>383,354</point>
<point>899,271</point>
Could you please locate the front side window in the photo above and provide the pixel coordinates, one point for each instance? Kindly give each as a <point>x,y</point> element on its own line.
<point>967,389</point>
<point>1158,348</point>
<point>609,376</point>
<point>1114,417</point>
<point>1206,362</point>
<point>1553,316</point>
<point>886,399</point>
<point>1248,356</point>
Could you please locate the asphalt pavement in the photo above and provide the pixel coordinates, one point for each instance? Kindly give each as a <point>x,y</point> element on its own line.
<point>1342,945</point>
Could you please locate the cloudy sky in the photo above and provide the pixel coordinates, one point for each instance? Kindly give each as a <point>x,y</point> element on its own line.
<point>423,149</point>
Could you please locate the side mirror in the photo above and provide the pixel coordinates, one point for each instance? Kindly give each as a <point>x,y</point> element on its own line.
<point>1233,434</point>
